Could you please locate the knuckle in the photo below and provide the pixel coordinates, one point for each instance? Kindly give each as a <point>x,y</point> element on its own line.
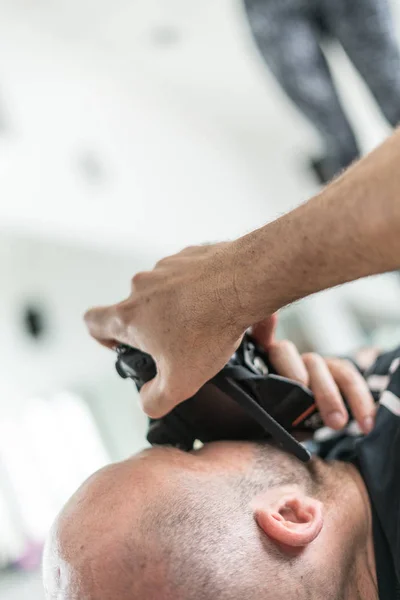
<point>348,372</point>
<point>162,262</point>
<point>333,362</point>
<point>139,278</point>
<point>286,346</point>
<point>311,358</point>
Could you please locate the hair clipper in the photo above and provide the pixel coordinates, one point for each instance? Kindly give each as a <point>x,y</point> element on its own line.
<point>246,400</point>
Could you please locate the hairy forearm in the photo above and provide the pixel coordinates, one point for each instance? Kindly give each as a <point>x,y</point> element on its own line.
<point>350,230</point>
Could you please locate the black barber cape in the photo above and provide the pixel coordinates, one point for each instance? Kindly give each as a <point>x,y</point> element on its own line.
<point>377,457</point>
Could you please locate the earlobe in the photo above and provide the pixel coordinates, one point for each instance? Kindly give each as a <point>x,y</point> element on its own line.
<point>292,520</point>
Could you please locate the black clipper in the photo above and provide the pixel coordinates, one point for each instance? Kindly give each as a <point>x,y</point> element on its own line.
<point>246,400</point>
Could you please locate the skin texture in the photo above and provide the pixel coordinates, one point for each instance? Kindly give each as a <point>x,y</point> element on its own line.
<point>232,520</point>
<point>330,379</point>
<point>348,231</point>
<point>191,311</point>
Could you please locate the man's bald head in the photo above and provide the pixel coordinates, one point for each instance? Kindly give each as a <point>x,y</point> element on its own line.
<point>230,521</point>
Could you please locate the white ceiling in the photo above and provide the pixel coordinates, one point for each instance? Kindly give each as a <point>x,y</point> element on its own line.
<point>204,49</point>
<point>177,106</point>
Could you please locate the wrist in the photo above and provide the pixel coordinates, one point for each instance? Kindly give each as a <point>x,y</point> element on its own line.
<point>273,264</point>
<point>257,288</point>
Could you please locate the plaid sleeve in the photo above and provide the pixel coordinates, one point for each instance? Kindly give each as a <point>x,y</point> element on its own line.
<point>384,375</point>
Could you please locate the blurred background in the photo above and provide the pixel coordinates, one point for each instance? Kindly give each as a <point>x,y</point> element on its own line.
<point>129,129</point>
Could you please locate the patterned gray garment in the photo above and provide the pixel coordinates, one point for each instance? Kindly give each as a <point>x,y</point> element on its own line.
<point>289,32</point>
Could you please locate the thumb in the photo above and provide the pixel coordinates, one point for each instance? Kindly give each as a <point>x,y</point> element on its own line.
<point>264,332</point>
<point>158,399</point>
<point>163,393</point>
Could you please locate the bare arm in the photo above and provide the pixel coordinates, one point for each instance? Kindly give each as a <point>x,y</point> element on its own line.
<point>350,230</point>
<point>190,312</point>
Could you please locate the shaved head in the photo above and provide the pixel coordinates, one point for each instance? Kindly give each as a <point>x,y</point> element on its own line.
<point>230,521</point>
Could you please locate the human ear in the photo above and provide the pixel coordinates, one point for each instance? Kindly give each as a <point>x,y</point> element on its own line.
<point>290,519</point>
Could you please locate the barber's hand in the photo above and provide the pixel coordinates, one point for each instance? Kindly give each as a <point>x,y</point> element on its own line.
<point>186,314</point>
<point>328,378</point>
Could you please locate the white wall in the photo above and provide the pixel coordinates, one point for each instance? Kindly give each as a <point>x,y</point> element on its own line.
<point>63,282</point>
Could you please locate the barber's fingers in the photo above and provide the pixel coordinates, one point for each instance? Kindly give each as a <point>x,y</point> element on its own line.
<point>326,392</point>
<point>154,398</point>
<point>110,324</point>
<point>283,355</point>
<point>355,389</point>
<point>264,331</point>
<point>159,396</point>
<point>286,360</point>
